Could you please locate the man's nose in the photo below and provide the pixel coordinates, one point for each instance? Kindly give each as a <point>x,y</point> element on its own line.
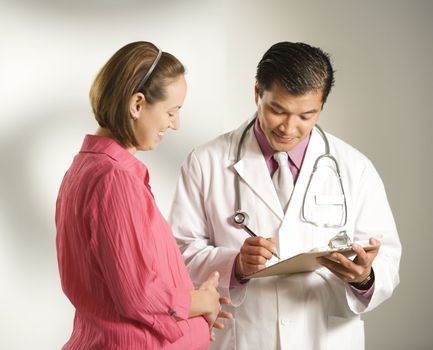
<point>289,124</point>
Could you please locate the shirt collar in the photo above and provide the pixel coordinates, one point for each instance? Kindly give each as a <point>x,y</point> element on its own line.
<point>108,146</point>
<point>296,155</point>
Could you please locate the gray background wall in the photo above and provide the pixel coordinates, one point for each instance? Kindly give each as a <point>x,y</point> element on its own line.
<point>51,50</point>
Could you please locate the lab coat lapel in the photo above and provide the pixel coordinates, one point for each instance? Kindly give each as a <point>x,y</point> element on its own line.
<point>254,172</point>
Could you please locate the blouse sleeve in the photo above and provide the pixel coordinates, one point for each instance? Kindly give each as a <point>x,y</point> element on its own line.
<point>124,249</point>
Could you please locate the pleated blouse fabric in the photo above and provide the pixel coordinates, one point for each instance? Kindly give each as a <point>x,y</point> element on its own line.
<point>119,263</point>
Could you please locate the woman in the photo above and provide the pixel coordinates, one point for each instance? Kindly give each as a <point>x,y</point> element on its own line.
<point>118,261</point>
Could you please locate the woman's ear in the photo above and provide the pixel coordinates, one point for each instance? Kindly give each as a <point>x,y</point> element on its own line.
<point>136,104</point>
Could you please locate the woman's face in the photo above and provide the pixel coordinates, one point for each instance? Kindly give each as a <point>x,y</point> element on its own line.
<point>154,119</point>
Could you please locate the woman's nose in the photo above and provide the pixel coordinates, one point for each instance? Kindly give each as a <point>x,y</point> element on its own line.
<point>175,122</point>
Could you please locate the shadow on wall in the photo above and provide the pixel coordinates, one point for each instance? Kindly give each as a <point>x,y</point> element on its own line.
<point>34,157</point>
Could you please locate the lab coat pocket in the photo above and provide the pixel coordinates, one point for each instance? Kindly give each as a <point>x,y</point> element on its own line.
<point>326,210</point>
<point>345,333</point>
<point>324,200</point>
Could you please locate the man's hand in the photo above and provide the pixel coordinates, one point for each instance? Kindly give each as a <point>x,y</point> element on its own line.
<point>253,255</point>
<point>355,271</point>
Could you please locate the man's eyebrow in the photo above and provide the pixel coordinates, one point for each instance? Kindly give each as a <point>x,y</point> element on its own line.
<point>310,111</point>
<point>277,105</point>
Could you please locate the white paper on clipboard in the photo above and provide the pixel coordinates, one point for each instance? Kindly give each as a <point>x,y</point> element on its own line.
<point>305,262</point>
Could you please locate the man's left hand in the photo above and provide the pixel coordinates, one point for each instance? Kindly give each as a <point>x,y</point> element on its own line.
<point>353,271</point>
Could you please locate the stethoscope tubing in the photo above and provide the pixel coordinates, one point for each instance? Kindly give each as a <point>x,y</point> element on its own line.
<point>327,154</point>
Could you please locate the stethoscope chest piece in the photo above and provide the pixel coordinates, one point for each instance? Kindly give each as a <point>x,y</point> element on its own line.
<point>240,219</point>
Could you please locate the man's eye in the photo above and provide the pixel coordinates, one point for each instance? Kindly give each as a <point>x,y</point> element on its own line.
<point>306,117</point>
<point>277,112</point>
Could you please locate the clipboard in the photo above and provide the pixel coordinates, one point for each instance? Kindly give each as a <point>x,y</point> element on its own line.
<point>304,262</point>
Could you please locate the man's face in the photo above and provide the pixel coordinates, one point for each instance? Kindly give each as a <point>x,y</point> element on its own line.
<point>287,119</point>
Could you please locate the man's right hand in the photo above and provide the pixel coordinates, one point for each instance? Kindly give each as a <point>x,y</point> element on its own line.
<point>253,256</point>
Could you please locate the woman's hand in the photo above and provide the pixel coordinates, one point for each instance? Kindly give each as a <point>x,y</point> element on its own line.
<point>214,306</point>
<point>211,284</point>
<point>221,314</point>
<point>206,301</point>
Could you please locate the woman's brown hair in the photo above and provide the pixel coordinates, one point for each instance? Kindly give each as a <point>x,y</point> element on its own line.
<point>121,77</point>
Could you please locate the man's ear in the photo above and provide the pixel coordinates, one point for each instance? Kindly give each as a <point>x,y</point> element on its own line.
<point>136,103</point>
<point>256,92</point>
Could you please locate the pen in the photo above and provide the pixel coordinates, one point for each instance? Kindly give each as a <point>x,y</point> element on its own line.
<point>252,234</point>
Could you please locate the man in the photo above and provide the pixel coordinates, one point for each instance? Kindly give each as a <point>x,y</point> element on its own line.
<point>291,212</point>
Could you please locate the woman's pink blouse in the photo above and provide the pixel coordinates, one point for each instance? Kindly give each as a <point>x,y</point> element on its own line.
<point>119,263</point>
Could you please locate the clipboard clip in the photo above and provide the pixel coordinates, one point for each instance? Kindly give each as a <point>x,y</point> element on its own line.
<point>340,241</point>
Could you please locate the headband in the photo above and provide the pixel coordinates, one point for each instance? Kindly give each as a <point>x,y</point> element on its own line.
<point>152,67</point>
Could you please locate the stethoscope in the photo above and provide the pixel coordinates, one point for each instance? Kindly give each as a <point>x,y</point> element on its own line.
<point>241,219</point>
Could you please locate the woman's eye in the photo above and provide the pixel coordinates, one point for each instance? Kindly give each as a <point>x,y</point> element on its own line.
<point>170,114</point>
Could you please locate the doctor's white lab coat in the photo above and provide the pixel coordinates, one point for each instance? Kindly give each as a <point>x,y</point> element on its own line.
<point>312,310</point>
